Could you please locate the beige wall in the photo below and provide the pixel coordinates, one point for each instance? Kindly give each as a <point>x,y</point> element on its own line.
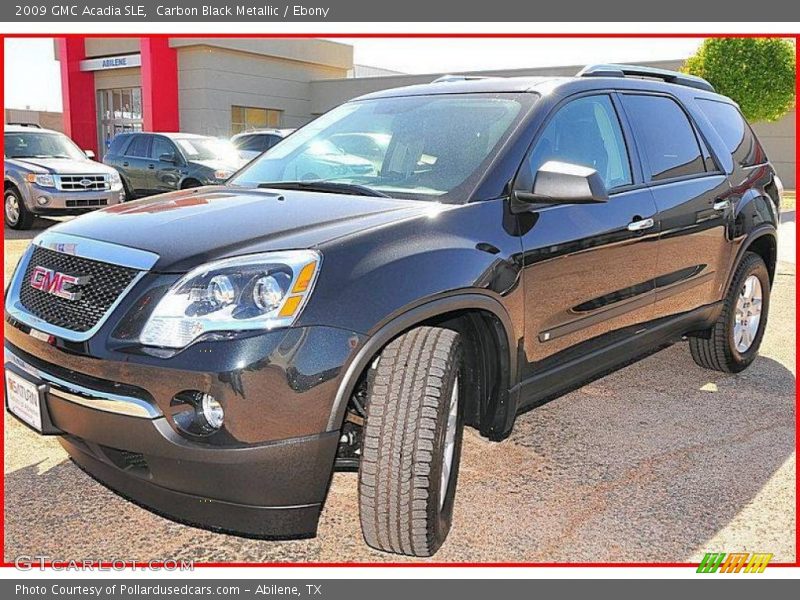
<point>212,79</point>
<point>48,120</point>
<point>778,140</point>
<point>313,51</point>
<point>117,78</point>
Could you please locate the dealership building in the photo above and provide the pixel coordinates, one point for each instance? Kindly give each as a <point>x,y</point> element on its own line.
<point>222,86</point>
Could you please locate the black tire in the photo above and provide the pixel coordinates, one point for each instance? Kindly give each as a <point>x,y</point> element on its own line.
<point>400,476</point>
<point>716,349</point>
<point>128,193</point>
<point>190,183</point>
<point>25,217</point>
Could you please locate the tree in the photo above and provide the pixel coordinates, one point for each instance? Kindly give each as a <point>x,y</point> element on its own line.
<point>758,73</point>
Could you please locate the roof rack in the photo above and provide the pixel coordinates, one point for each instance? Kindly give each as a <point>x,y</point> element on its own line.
<point>450,78</point>
<point>612,70</point>
<point>34,125</point>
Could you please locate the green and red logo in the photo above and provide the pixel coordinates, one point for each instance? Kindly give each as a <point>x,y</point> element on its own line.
<point>735,562</point>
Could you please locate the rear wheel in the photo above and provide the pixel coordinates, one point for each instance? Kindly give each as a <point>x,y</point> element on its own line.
<point>412,443</point>
<point>17,216</point>
<point>733,341</point>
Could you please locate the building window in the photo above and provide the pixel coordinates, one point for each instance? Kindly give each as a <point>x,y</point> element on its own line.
<point>246,118</point>
<point>119,111</point>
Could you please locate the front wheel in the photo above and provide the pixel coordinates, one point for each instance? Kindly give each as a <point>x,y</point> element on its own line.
<point>733,341</point>
<point>190,183</point>
<point>412,443</point>
<point>17,215</point>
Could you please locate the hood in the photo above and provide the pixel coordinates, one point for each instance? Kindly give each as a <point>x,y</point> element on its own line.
<point>190,227</point>
<point>61,166</point>
<point>218,164</point>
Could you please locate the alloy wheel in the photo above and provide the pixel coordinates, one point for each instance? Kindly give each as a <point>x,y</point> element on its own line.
<point>449,444</point>
<point>748,314</point>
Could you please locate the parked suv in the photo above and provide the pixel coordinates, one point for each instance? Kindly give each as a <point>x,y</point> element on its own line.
<point>214,353</point>
<point>47,174</point>
<point>153,163</point>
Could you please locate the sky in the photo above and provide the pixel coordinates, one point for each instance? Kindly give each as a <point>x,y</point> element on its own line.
<point>32,77</point>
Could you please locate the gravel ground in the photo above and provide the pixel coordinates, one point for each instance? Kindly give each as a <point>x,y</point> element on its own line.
<point>661,461</point>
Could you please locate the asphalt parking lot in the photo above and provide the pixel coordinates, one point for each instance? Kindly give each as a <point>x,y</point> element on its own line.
<point>661,461</point>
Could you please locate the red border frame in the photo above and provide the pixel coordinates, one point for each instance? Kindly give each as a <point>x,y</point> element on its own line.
<point>418,564</point>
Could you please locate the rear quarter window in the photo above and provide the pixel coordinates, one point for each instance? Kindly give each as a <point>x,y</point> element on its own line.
<point>735,132</point>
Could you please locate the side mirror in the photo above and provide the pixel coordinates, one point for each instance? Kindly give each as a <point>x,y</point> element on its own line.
<point>89,154</point>
<point>168,157</point>
<point>564,183</point>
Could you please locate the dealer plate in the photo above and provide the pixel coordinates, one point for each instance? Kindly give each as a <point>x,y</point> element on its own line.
<point>22,397</point>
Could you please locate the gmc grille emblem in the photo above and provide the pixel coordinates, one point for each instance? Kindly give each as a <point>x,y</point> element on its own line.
<point>59,284</point>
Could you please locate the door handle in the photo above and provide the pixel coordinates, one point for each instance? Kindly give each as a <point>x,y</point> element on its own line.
<point>721,205</point>
<point>125,164</point>
<point>151,166</point>
<point>640,224</point>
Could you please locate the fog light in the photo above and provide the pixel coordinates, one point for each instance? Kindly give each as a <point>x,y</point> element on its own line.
<point>212,411</point>
<point>43,200</point>
<point>196,413</point>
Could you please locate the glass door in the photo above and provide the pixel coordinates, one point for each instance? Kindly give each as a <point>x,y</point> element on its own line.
<point>119,111</point>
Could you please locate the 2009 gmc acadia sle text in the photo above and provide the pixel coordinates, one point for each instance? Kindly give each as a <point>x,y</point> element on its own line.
<point>214,353</point>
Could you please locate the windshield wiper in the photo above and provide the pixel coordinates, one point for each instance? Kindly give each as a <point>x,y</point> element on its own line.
<point>328,187</point>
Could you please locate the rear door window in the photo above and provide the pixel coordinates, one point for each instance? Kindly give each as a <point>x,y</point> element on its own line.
<point>739,139</point>
<point>139,147</point>
<point>665,136</point>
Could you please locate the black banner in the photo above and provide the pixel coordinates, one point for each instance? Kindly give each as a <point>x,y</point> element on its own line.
<point>406,11</point>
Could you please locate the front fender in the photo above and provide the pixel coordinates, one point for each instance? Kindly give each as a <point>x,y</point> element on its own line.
<point>17,179</point>
<point>417,315</point>
<point>386,280</point>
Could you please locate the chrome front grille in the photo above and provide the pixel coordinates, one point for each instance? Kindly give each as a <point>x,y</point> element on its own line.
<point>68,286</point>
<point>105,283</point>
<point>83,183</point>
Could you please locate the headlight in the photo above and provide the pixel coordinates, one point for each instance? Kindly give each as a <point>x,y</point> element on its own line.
<point>41,180</point>
<point>114,178</point>
<point>222,174</point>
<point>246,293</point>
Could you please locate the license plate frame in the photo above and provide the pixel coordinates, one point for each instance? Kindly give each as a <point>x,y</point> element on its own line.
<point>26,400</point>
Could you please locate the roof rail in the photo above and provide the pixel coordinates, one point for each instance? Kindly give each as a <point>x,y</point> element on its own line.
<point>34,125</point>
<point>612,70</point>
<point>449,78</point>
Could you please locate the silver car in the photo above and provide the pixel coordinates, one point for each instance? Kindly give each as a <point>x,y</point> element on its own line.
<point>47,174</point>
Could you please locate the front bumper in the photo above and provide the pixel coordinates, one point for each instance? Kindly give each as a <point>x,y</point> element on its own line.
<point>67,203</point>
<point>269,479</point>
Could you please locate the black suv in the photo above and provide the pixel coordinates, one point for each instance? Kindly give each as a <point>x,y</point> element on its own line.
<point>215,353</point>
<point>154,163</point>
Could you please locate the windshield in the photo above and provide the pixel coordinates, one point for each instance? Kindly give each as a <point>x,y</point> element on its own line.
<point>207,149</point>
<point>421,147</point>
<point>41,145</point>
